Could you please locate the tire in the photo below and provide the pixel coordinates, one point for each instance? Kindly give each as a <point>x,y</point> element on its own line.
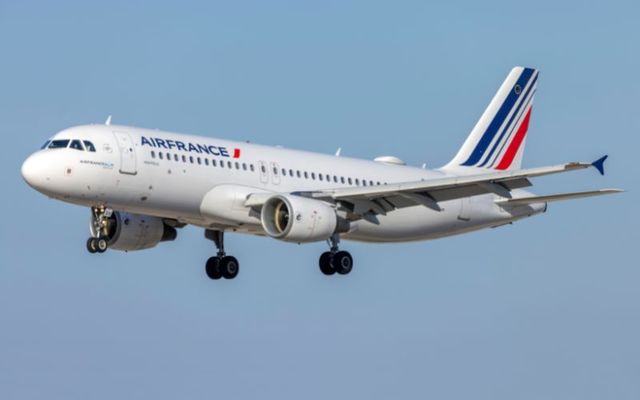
<point>229,267</point>
<point>342,262</point>
<point>213,268</point>
<point>92,246</point>
<point>325,264</point>
<point>101,245</point>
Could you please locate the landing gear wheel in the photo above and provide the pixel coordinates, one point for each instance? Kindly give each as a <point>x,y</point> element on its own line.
<point>342,262</point>
<point>325,264</point>
<point>213,268</point>
<point>92,246</point>
<point>101,245</point>
<point>229,267</point>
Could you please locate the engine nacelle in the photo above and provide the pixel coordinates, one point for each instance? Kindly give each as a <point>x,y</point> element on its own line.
<point>128,232</point>
<point>299,219</point>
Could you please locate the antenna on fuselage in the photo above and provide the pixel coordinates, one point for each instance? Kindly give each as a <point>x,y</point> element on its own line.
<point>108,121</point>
<point>338,151</point>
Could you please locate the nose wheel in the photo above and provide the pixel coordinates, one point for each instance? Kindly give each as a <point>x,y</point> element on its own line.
<point>99,243</point>
<point>220,265</point>
<point>335,261</point>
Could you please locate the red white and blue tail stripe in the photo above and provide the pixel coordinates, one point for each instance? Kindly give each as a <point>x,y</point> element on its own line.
<point>497,140</point>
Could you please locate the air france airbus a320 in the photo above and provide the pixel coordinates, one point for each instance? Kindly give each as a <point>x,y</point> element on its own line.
<point>142,185</point>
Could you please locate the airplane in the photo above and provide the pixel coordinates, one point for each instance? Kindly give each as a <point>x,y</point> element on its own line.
<point>143,185</point>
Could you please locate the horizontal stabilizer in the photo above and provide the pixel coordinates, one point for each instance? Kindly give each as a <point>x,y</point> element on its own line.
<point>556,197</point>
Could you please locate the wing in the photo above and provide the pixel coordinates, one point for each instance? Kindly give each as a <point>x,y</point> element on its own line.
<point>555,197</point>
<point>366,202</point>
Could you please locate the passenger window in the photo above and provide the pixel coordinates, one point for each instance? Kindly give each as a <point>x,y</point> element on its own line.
<point>290,172</point>
<point>176,158</point>
<point>328,178</point>
<point>320,177</point>
<point>313,176</point>
<point>184,159</point>
<point>160,156</point>
<point>364,183</point>
<point>206,161</point>
<point>191,159</point>
<point>284,172</point>
<point>89,146</point>
<point>263,169</point>
<point>357,181</point>
<point>342,179</point>
<point>168,157</point>
<point>221,164</point>
<point>213,162</point>
<point>350,181</point>
<point>298,173</point>
<point>199,161</point>
<point>44,146</point>
<point>306,176</point>
<point>59,144</point>
<point>252,168</point>
<point>237,165</point>
<point>153,154</point>
<point>244,166</point>
<point>229,164</point>
<point>335,179</point>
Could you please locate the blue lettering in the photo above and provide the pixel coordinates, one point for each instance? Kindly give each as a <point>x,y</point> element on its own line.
<point>181,146</point>
<point>193,148</point>
<point>223,151</point>
<point>203,149</point>
<point>146,142</point>
<point>171,143</point>
<point>161,143</point>
<point>214,150</point>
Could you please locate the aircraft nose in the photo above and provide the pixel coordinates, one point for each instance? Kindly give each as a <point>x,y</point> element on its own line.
<point>33,171</point>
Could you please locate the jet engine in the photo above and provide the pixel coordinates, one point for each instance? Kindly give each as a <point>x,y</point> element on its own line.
<point>127,232</point>
<point>299,219</point>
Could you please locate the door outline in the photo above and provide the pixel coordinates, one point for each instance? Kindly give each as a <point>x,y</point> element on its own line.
<point>275,173</point>
<point>128,162</point>
<point>264,172</point>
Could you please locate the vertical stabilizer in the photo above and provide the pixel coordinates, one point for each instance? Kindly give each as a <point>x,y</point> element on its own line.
<point>497,140</point>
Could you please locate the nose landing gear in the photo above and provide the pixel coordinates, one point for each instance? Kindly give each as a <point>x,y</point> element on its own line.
<point>99,242</point>
<point>220,265</point>
<point>335,260</point>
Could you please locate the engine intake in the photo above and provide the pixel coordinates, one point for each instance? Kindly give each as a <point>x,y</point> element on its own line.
<point>299,219</point>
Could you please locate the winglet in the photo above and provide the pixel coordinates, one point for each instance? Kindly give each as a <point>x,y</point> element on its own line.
<point>108,121</point>
<point>599,164</point>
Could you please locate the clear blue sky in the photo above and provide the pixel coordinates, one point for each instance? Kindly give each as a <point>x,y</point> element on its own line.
<point>547,308</point>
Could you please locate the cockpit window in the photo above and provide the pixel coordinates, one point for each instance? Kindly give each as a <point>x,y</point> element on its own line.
<point>89,146</point>
<point>44,146</point>
<point>59,144</point>
<point>77,145</point>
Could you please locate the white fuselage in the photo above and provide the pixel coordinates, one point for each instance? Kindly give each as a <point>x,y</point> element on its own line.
<point>169,175</point>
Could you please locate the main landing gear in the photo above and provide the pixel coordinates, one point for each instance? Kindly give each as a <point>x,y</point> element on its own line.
<point>335,260</point>
<point>220,265</point>
<point>99,242</point>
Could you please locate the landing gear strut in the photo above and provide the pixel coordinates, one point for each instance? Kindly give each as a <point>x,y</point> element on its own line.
<point>335,260</point>
<point>220,265</point>
<point>99,242</point>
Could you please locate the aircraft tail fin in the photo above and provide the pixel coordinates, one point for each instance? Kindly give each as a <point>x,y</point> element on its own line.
<point>497,140</point>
